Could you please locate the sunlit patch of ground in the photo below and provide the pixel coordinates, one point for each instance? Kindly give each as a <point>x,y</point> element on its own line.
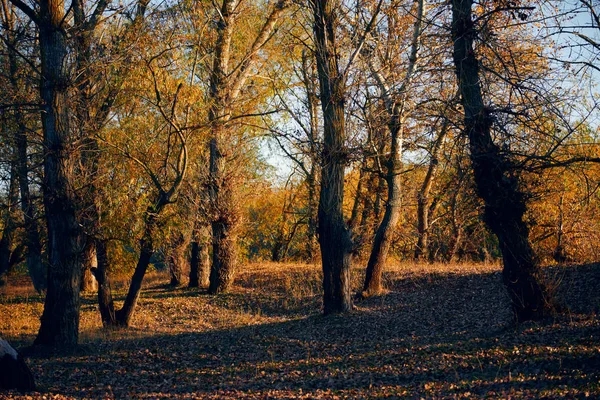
<point>441,331</point>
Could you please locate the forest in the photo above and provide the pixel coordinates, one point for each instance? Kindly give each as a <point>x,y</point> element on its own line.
<point>328,199</point>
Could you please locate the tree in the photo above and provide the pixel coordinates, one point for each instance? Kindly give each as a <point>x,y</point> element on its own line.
<point>60,320</point>
<point>226,84</point>
<point>495,182</point>
<point>21,92</point>
<point>395,105</point>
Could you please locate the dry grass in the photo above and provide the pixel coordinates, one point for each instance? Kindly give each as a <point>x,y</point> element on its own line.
<point>441,331</point>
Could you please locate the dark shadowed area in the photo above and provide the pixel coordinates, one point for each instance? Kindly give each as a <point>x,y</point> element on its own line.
<point>440,331</point>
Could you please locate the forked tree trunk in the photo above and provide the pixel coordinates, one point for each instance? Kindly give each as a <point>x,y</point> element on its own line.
<point>504,203</point>
<point>225,88</point>
<point>334,236</point>
<point>396,109</point>
<point>60,320</point>
<point>223,210</point>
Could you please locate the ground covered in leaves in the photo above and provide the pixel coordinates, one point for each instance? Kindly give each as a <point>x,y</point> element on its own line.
<point>442,331</point>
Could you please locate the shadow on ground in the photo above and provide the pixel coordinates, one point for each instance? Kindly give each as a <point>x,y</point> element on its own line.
<point>442,335</point>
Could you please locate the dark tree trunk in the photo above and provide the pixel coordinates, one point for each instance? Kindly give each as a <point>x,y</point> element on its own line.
<point>60,319</point>
<point>194,278</point>
<point>383,236</point>
<point>105,300</point>
<point>334,236</point>
<point>224,211</point>
<point>224,223</point>
<point>504,203</point>
<point>124,315</point>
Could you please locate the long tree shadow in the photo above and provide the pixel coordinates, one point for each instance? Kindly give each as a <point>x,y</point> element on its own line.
<point>439,335</point>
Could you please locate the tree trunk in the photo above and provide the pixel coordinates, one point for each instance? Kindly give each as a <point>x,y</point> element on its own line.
<point>497,186</point>
<point>124,315</point>
<point>200,260</point>
<point>395,123</point>
<point>88,280</point>
<point>105,300</point>
<point>194,278</point>
<point>383,236</point>
<point>60,320</point>
<point>176,260</point>
<point>423,200</point>
<point>334,236</point>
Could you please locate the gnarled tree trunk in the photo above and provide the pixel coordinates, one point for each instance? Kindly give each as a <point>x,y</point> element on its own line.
<point>497,186</point>
<point>334,237</point>
<point>60,319</point>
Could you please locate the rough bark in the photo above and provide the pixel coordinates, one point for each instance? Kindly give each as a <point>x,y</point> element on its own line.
<point>225,88</point>
<point>90,262</point>
<point>176,260</point>
<point>496,185</point>
<point>383,236</point>
<point>60,320</point>
<point>334,237</point>
<point>200,260</point>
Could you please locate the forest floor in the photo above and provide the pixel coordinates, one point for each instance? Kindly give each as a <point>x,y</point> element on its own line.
<point>441,331</point>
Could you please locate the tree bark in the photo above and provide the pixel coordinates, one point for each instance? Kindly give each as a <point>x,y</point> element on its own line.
<point>176,260</point>
<point>199,261</point>
<point>124,315</point>
<point>88,280</point>
<point>105,300</point>
<point>225,88</point>
<point>383,236</point>
<point>334,236</point>
<point>60,319</point>
<point>495,182</point>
